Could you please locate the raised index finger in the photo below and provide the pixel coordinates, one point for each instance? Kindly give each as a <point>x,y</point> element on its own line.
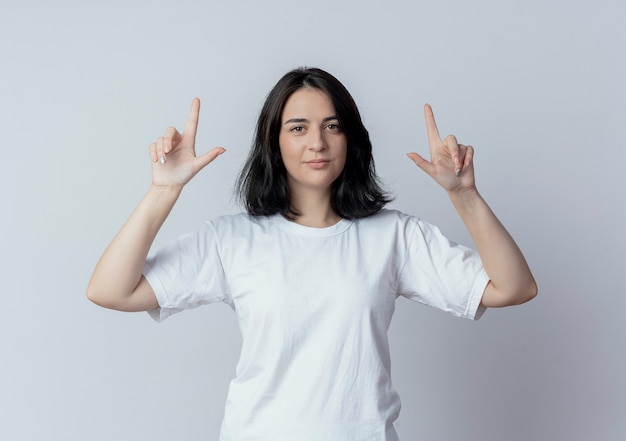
<point>192,122</point>
<point>431,125</point>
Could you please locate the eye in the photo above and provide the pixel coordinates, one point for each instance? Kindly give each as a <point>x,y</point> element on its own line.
<point>296,129</point>
<point>333,127</point>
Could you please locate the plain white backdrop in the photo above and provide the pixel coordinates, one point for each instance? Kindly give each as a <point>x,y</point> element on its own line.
<point>536,86</point>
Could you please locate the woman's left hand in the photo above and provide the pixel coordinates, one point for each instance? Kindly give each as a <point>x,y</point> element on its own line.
<point>451,164</point>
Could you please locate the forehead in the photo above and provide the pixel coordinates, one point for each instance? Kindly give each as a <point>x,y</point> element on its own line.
<point>308,103</point>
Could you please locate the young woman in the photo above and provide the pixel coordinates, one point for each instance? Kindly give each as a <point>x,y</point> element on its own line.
<point>313,268</point>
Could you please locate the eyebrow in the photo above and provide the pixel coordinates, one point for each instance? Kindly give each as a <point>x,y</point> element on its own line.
<point>304,120</point>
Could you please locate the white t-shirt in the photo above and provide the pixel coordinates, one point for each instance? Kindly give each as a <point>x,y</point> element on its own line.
<point>314,306</point>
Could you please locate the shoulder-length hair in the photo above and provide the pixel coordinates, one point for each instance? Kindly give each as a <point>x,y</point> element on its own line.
<point>262,184</point>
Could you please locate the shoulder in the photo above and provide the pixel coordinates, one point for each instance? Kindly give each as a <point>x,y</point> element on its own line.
<point>397,223</point>
<point>385,225</point>
<point>387,218</point>
<point>239,224</point>
<point>227,220</point>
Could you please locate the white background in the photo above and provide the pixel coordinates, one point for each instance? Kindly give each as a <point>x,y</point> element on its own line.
<point>536,86</point>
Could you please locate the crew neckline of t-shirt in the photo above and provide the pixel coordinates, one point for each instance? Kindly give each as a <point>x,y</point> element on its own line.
<point>294,227</point>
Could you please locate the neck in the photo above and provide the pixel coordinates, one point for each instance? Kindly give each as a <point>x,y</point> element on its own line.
<point>315,209</point>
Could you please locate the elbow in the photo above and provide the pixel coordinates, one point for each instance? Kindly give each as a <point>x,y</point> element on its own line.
<point>98,297</point>
<point>121,300</point>
<point>527,294</point>
<point>534,291</point>
<point>499,296</point>
<point>94,296</point>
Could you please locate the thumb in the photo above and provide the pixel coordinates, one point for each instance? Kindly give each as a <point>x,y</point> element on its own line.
<point>205,159</point>
<point>422,163</point>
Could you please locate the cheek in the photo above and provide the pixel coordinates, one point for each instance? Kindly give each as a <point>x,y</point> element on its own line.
<point>287,155</point>
<point>284,149</point>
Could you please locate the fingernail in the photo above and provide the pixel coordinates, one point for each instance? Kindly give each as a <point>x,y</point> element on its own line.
<point>162,159</point>
<point>457,172</point>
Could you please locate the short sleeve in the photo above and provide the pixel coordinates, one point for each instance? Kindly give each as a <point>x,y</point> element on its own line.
<point>187,273</point>
<point>441,273</point>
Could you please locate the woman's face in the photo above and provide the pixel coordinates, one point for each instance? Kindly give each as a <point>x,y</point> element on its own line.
<point>312,144</point>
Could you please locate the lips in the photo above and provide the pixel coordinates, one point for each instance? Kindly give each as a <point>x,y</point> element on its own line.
<point>317,163</point>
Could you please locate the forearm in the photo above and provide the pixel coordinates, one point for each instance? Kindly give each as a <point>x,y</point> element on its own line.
<point>511,281</point>
<point>120,268</point>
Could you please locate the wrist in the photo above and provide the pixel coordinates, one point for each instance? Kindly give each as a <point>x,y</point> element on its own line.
<point>470,205</point>
<point>164,196</point>
<point>165,189</point>
<point>464,195</point>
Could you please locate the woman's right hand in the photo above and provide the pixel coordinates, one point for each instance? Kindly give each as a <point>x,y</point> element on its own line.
<point>117,281</point>
<point>174,160</point>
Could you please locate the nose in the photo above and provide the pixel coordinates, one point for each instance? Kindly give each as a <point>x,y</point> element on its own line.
<point>317,141</point>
